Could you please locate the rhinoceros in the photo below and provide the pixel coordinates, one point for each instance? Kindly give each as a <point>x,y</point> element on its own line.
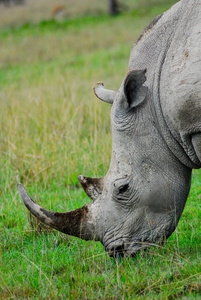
<point>156,141</point>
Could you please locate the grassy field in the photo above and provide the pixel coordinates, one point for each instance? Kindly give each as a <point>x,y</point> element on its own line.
<point>52,129</point>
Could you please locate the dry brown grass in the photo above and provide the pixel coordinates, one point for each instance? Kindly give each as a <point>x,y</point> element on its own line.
<point>37,10</point>
<point>34,11</point>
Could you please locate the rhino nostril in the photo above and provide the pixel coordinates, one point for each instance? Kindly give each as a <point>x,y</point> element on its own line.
<point>117,251</point>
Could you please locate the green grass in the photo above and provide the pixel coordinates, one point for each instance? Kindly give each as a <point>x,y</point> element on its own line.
<point>52,129</point>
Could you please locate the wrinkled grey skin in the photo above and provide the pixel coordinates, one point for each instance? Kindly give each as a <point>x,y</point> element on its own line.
<point>156,128</point>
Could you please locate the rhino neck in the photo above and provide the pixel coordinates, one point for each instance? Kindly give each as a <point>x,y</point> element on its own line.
<point>149,52</point>
<point>170,137</point>
<point>180,95</point>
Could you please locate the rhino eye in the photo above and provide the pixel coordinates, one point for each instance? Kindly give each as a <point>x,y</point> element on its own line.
<point>123,188</point>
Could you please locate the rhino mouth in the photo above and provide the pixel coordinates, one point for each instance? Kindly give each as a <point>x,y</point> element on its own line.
<point>117,250</point>
<point>120,248</point>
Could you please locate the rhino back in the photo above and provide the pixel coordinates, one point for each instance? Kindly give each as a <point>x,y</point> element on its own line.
<point>153,40</point>
<point>159,44</point>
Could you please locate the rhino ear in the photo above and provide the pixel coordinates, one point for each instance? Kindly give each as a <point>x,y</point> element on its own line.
<point>103,94</point>
<point>134,90</point>
<point>92,186</point>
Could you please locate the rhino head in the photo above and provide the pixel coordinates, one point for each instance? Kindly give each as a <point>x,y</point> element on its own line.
<point>134,205</point>
<point>141,198</point>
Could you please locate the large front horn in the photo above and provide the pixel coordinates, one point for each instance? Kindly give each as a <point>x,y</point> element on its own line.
<point>76,223</point>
